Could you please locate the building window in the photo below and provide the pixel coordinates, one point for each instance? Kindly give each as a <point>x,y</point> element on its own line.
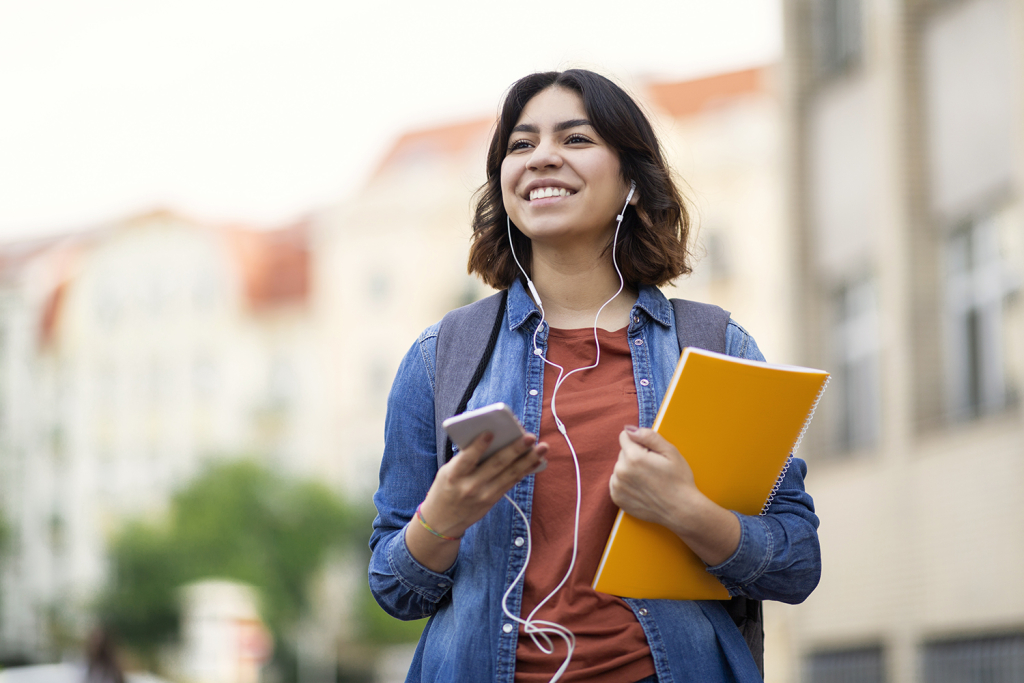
<point>978,283</point>
<point>857,375</point>
<point>862,665</point>
<point>718,262</point>
<point>838,40</point>
<point>998,659</point>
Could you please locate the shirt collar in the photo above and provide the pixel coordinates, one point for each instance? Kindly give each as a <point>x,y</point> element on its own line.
<point>520,306</point>
<point>650,300</point>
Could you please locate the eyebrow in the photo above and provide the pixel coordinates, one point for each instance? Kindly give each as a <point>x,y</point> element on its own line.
<point>564,125</point>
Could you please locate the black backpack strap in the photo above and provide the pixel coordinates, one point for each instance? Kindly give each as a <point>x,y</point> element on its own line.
<point>704,326</point>
<point>465,342</point>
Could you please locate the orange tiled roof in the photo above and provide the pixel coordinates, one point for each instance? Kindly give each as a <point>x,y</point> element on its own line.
<point>678,99</point>
<point>685,98</point>
<point>50,316</point>
<point>275,265</point>
<point>449,140</point>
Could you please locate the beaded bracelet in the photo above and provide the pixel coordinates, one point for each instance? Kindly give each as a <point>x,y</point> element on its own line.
<point>419,516</point>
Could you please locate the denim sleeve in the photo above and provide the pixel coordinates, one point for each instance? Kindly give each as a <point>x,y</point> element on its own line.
<point>403,587</point>
<point>778,557</point>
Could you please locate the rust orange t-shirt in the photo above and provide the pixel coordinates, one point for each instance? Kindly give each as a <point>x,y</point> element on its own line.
<point>594,405</point>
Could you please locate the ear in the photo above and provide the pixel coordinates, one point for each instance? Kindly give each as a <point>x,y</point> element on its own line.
<point>634,193</point>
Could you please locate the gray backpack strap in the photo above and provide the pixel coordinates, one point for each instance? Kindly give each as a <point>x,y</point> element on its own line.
<point>700,325</point>
<point>704,326</point>
<point>465,341</point>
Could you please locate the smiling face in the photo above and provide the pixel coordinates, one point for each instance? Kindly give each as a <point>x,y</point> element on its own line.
<point>561,183</point>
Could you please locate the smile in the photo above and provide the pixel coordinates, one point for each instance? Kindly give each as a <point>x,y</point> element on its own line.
<point>543,192</point>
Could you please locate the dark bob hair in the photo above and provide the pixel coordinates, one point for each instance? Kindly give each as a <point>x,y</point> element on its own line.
<point>653,241</point>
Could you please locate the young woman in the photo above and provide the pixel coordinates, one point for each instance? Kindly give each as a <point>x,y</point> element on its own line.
<point>580,222</point>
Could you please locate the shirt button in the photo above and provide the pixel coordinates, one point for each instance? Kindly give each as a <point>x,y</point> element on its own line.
<point>507,628</point>
<point>520,541</point>
<point>537,352</point>
<point>533,392</point>
<point>642,611</point>
<point>442,585</point>
<point>636,318</point>
<point>644,382</point>
<point>638,342</point>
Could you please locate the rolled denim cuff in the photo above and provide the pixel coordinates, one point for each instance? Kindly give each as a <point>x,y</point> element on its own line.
<point>414,576</point>
<point>748,563</point>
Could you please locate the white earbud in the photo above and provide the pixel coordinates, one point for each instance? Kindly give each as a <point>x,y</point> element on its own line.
<point>632,189</point>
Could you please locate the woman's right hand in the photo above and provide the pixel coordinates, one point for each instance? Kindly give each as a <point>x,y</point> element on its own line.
<point>464,490</point>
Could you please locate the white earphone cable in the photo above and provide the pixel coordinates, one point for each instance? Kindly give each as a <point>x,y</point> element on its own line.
<point>539,630</point>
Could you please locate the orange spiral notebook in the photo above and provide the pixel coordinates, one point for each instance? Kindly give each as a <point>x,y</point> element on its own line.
<point>736,422</point>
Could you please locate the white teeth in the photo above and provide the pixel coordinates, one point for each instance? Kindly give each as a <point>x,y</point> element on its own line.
<point>542,192</point>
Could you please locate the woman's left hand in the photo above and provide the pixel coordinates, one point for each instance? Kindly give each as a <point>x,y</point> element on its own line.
<point>653,482</point>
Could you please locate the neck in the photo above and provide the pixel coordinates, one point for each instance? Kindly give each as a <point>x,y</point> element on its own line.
<point>572,290</point>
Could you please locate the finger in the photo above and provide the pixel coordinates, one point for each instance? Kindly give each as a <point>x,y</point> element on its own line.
<point>465,461</point>
<point>504,457</point>
<point>527,463</point>
<point>649,439</point>
<point>631,450</point>
<point>523,464</point>
<point>623,489</point>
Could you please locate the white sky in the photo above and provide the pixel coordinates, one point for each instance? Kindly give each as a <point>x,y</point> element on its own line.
<point>261,111</point>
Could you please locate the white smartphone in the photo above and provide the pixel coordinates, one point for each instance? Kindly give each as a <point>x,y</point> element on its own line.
<point>496,418</point>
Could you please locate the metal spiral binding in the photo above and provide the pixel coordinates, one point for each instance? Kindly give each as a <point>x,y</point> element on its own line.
<point>796,445</point>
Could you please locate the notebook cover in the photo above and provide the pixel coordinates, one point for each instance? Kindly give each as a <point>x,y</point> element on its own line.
<point>736,422</point>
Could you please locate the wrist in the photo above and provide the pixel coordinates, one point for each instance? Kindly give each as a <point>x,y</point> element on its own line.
<point>691,512</point>
<point>445,535</point>
<point>441,516</point>
<point>708,529</point>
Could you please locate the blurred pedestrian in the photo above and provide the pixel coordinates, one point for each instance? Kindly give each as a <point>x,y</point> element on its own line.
<point>102,665</point>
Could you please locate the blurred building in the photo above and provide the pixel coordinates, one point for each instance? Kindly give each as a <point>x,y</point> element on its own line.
<point>388,264</point>
<point>723,138</point>
<point>129,354</point>
<point>905,141</point>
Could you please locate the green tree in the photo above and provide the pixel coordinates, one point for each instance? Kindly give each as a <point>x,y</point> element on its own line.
<point>239,521</point>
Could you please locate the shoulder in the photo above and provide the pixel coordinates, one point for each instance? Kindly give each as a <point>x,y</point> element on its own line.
<point>702,325</point>
<point>740,344</point>
<point>467,318</point>
<point>457,336</point>
<point>426,344</point>
<point>419,365</point>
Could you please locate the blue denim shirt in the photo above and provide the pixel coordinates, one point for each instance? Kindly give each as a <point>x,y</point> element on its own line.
<point>468,638</point>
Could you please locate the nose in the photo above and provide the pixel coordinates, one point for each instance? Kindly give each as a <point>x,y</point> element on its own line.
<point>544,155</point>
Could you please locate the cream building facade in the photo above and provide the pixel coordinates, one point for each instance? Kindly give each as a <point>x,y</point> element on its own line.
<point>130,355</point>
<point>905,155</point>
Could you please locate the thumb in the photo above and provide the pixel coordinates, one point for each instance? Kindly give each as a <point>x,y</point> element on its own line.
<point>649,439</point>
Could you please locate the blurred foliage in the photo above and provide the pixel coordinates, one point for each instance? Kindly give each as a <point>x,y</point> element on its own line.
<point>239,521</point>
<point>375,626</point>
<point>380,628</point>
